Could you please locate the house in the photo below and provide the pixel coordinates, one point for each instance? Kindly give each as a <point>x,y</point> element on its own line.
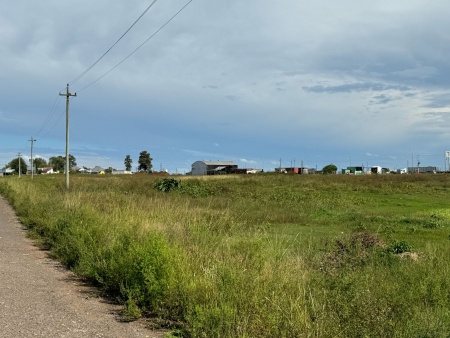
<point>422,170</point>
<point>98,170</point>
<point>84,170</point>
<point>376,170</point>
<point>46,170</point>
<point>353,171</point>
<point>121,172</point>
<point>212,167</point>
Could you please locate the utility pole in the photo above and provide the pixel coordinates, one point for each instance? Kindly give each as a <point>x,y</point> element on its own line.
<point>67,95</point>
<point>19,156</point>
<point>32,166</point>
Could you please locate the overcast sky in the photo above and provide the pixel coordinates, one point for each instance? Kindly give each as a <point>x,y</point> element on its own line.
<point>255,82</point>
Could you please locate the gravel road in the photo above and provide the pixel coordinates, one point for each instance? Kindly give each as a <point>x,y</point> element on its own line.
<point>39,298</point>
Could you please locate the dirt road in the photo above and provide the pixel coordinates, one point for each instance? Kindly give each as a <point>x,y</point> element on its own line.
<point>39,298</point>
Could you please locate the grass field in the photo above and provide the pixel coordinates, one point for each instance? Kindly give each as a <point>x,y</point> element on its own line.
<point>257,255</point>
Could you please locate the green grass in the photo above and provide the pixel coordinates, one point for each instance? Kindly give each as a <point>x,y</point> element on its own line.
<point>255,255</point>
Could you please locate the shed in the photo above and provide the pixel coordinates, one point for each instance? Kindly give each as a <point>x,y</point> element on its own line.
<point>212,167</point>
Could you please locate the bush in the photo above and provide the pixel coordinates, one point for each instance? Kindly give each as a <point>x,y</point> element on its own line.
<point>399,247</point>
<point>167,184</point>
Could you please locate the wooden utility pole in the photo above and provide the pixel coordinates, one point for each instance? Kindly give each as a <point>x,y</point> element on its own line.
<point>67,95</point>
<point>19,157</point>
<point>32,165</point>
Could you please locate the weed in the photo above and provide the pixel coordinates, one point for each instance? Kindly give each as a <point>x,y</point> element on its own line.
<point>399,247</point>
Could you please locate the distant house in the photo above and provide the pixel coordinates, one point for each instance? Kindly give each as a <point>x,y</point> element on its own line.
<point>212,167</point>
<point>376,170</point>
<point>293,170</point>
<point>353,171</point>
<point>422,170</point>
<point>98,170</point>
<point>121,172</point>
<point>46,171</point>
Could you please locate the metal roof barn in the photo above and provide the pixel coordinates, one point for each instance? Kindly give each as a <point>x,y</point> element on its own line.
<point>212,167</point>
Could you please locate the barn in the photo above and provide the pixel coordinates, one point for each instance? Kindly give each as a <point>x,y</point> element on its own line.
<point>212,167</point>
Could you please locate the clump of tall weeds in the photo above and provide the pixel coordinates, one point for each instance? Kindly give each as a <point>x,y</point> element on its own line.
<point>350,252</point>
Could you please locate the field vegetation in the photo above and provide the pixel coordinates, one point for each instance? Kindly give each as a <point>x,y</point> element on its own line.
<point>257,255</point>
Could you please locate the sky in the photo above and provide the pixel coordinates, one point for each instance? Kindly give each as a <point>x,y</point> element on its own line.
<point>261,83</point>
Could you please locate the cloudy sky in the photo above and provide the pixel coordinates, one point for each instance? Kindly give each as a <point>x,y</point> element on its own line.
<point>255,82</point>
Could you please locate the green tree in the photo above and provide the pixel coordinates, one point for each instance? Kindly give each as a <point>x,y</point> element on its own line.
<point>58,163</point>
<point>39,162</point>
<point>145,161</point>
<point>72,161</point>
<point>14,164</point>
<point>128,162</point>
<point>329,169</point>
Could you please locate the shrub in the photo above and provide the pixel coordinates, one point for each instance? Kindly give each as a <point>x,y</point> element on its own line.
<point>399,247</point>
<point>167,184</point>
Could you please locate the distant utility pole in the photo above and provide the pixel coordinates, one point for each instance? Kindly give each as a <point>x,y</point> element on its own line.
<point>32,166</point>
<point>19,155</point>
<point>67,95</point>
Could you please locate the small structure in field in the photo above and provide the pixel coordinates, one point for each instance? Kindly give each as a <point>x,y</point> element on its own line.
<point>213,167</point>
<point>46,171</point>
<point>353,171</point>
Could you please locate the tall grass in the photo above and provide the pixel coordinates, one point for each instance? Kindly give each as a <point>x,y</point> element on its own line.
<point>256,256</point>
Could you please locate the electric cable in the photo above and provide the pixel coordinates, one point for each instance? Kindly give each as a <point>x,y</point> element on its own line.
<point>101,57</point>
<point>49,117</point>
<point>139,47</point>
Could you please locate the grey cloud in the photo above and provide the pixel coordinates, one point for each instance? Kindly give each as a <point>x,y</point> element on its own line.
<point>438,101</point>
<point>354,87</point>
<point>434,123</point>
<point>384,99</point>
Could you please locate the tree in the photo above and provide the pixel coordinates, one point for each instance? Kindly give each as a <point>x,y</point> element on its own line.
<point>329,169</point>
<point>128,162</point>
<point>14,164</point>
<point>58,163</point>
<point>72,161</point>
<point>39,162</point>
<point>145,161</point>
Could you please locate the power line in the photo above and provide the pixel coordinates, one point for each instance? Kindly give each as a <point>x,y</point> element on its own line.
<point>50,115</point>
<point>139,47</point>
<point>101,57</point>
<point>54,125</point>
